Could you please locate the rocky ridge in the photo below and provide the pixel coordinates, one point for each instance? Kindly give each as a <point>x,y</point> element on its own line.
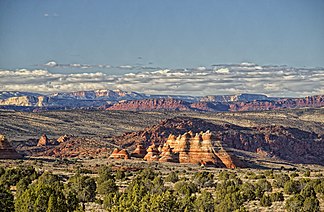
<point>272,141</point>
<point>122,100</point>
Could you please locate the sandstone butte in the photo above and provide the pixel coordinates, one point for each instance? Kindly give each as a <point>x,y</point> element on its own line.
<point>119,154</point>
<point>190,148</point>
<point>6,150</point>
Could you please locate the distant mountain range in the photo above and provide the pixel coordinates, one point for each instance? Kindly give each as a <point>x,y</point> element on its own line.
<point>122,100</point>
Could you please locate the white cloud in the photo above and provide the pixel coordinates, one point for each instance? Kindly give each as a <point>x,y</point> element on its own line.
<point>222,71</point>
<point>274,81</point>
<point>51,64</point>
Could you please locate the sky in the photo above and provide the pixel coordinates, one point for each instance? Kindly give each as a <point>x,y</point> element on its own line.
<point>118,37</point>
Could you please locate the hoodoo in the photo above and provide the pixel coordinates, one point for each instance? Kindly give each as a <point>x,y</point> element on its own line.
<point>167,154</point>
<point>6,150</point>
<point>196,148</point>
<point>119,154</point>
<point>139,152</point>
<point>152,153</point>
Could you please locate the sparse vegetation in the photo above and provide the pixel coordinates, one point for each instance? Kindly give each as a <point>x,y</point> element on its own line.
<point>196,189</point>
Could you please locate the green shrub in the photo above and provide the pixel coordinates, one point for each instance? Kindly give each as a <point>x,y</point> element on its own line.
<point>120,175</point>
<point>280,180</point>
<point>276,197</point>
<point>265,201</point>
<point>292,187</point>
<point>185,188</point>
<point>107,187</point>
<point>295,203</point>
<point>307,173</point>
<point>203,179</point>
<point>6,200</point>
<point>308,191</point>
<point>172,177</point>
<point>311,204</point>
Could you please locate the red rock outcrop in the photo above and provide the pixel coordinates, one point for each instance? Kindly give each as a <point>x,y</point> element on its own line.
<point>309,101</point>
<point>166,154</point>
<point>6,150</point>
<point>291,144</point>
<point>152,153</point>
<point>151,104</point>
<point>195,149</point>
<point>211,105</point>
<point>63,138</point>
<point>43,141</point>
<point>139,152</point>
<point>119,154</point>
<point>77,147</point>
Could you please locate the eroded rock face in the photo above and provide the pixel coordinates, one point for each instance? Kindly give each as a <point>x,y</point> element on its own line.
<point>63,138</point>
<point>119,154</point>
<point>139,152</point>
<point>152,153</point>
<point>151,104</point>
<point>6,150</point>
<point>243,102</point>
<point>197,149</point>
<point>43,141</point>
<point>309,101</point>
<point>275,141</point>
<point>167,155</point>
<point>77,147</point>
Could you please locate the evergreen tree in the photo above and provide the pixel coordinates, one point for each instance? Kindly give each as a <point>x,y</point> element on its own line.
<point>6,200</point>
<point>204,202</point>
<point>107,187</point>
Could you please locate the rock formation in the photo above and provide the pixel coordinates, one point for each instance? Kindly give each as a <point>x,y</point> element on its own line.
<point>119,154</point>
<point>197,149</point>
<point>43,141</point>
<point>167,155</point>
<point>63,138</point>
<point>151,104</point>
<point>6,150</point>
<point>152,153</point>
<point>139,152</point>
<point>293,144</point>
<point>79,147</point>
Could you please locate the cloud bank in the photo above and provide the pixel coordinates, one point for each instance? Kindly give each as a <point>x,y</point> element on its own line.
<point>220,79</point>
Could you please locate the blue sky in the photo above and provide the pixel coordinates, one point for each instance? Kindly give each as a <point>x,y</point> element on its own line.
<point>164,33</point>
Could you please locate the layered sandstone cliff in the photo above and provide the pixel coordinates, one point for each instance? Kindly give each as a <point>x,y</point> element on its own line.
<point>197,149</point>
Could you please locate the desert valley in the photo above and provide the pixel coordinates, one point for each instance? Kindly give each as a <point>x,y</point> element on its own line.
<point>247,145</point>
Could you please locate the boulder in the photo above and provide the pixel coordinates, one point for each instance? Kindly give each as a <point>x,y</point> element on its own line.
<point>43,141</point>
